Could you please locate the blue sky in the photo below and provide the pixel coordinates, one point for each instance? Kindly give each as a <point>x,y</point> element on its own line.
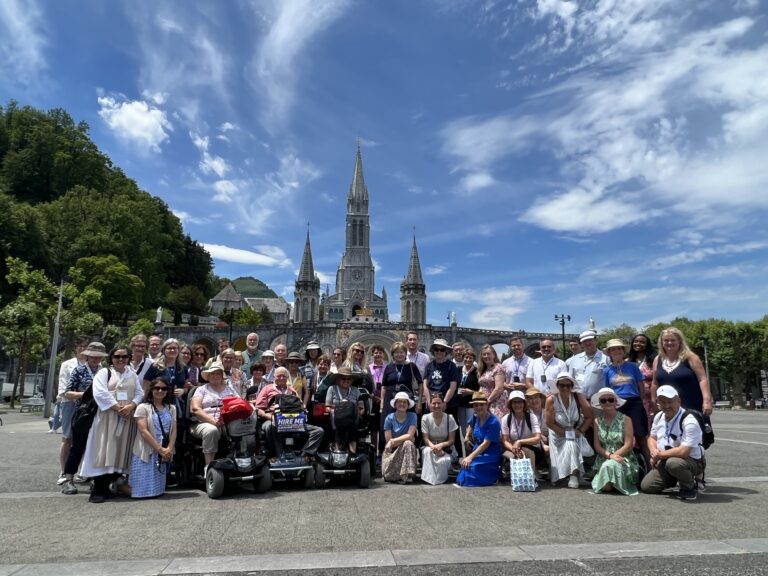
<point>604,159</point>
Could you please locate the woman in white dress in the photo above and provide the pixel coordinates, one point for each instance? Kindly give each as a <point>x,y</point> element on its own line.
<point>568,416</point>
<point>438,431</point>
<point>117,392</point>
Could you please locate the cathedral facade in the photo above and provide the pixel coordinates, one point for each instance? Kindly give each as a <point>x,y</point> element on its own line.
<point>355,296</point>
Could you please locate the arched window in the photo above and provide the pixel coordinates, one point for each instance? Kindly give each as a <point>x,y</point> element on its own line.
<point>305,310</point>
<point>407,311</point>
<point>314,310</point>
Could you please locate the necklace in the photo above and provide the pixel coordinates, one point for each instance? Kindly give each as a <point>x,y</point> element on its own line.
<point>668,365</point>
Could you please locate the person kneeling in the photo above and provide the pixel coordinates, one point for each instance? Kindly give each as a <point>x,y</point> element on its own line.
<point>616,466</point>
<point>677,456</point>
<point>398,463</point>
<point>481,466</point>
<point>438,431</point>
<point>520,431</point>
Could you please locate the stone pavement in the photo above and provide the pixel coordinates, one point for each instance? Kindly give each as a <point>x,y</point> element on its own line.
<point>42,531</point>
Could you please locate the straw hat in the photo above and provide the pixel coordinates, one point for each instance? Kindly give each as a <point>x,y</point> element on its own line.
<point>402,396</point>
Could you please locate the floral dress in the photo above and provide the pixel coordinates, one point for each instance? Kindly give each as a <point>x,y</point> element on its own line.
<point>623,477</point>
<point>488,384</point>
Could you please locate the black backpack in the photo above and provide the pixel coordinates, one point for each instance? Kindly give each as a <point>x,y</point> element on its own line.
<point>289,404</point>
<point>707,434</point>
<point>527,421</point>
<point>86,410</point>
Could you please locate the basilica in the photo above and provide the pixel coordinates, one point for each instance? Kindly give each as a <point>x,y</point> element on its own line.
<point>355,297</point>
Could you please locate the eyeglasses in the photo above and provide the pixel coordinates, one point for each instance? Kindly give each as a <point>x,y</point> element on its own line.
<point>120,356</point>
<point>201,354</point>
<point>607,400</point>
<point>359,351</point>
<point>546,347</point>
<point>160,389</point>
<point>568,385</point>
<point>337,353</point>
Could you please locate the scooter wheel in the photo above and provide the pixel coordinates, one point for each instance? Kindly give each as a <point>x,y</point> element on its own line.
<point>365,475</point>
<point>264,482</point>
<point>319,476</point>
<point>215,483</point>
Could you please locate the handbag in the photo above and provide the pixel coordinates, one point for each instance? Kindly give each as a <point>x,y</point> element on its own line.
<point>86,410</point>
<point>318,411</point>
<point>521,473</point>
<point>586,449</point>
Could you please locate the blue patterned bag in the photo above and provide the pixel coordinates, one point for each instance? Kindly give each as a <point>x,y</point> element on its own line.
<point>521,473</point>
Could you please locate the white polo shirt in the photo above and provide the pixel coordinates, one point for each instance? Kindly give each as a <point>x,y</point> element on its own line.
<point>544,374</point>
<point>669,436</point>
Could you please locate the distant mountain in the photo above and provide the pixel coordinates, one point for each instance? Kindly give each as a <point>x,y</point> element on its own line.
<point>250,287</point>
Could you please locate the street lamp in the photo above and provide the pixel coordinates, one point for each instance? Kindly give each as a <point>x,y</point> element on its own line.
<point>562,319</point>
<point>52,360</point>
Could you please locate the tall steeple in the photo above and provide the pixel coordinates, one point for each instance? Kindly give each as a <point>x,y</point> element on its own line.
<point>414,266</point>
<point>357,199</point>
<point>413,291</point>
<point>307,269</point>
<point>306,295</point>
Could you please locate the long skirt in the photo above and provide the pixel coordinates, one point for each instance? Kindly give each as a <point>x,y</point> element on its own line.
<point>564,457</point>
<point>434,469</point>
<point>400,463</point>
<point>484,470</point>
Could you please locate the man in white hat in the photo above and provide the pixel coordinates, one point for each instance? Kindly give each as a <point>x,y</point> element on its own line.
<point>675,444</point>
<point>587,366</point>
<point>542,371</point>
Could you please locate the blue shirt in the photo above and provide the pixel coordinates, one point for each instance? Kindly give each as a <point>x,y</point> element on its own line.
<point>398,429</point>
<point>625,379</point>
<point>80,380</point>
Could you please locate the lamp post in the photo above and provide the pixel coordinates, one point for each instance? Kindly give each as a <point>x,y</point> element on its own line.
<point>52,360</point>
<point>562,319</point>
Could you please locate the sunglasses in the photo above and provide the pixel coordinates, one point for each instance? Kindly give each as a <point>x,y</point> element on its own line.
<point>202,354</point>
<point>607,400</point>
<point>121,356</point>
<point>569,385</point>
<point>160,389</point>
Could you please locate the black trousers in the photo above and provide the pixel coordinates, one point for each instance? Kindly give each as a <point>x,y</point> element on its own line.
<point>76,451</point>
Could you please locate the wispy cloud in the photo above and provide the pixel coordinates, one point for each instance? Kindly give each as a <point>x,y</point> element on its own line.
<point>187,218</point>
<point>136,122</point>
<point>270,256</point>
<point>698,255</point>
<point>22,42</point>
<point>491,307</point>
<point>209,163</point>
<point>436,270</point>
<point>274,72</point>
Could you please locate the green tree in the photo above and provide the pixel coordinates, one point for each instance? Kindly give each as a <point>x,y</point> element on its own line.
<point>266,315</point>
<point>141,326</point>
<point>247,317</point>
<point>120,290</point>
<point>187,299</point>
<point>624,331</point>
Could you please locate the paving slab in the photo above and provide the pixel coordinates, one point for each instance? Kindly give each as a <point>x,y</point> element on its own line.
<point>459,556</point>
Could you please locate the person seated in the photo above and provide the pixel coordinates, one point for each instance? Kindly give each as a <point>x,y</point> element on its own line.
<point>481,466</point>
<point>534,400</point>
<point>398,463</point>
<point>296,377</point>
<point>568,417</point>
<point>677,456</point>
<point>616,466</point>
<point>343,404</point>
<point>266,403</point>
<point>258,370</point>
<point>206,407</point>
<point>438,432</point>
<point>520,431</point>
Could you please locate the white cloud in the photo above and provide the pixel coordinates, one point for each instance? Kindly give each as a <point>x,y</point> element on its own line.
<point>22,41</point>
<point>435,270</point>
<point>494,308</point>
<point>225,190</point>
<point>376,265</point>
<point>293,24</point>
<point>187,218</point>
<point>209,163</point>
<point>228,126</point>
<point>229,254</point>
<point>700,254</point>
<point>136,122</point>
<point>477,181</point>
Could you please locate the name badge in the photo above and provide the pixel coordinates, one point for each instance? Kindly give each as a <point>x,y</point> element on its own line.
<point>570,435</point>
<point>543,378</point>
<point>122,395</point>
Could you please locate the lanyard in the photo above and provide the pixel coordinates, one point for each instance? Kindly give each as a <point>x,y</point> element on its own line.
<point>668,427</point>
<point>519,429</point>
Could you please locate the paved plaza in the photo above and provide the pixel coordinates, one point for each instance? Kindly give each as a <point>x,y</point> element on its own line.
<point>388,529</point>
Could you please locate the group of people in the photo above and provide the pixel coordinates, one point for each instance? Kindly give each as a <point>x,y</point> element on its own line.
<point>620,409</point>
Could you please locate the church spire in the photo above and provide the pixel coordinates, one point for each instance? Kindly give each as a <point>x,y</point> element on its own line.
<point>414,266</point>
<point>307,269</point>
<point>357,200</point>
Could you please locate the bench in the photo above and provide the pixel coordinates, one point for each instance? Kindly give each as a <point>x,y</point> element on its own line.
<point>32,404</point>
<point>723,404</point>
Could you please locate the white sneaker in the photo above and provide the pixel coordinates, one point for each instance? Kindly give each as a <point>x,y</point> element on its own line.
<point>62,479</point>
<point>80,479</point>
<point>573,481</point>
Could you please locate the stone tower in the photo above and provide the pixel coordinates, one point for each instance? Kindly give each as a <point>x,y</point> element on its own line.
<point>413,292</point>
<point>306,295</point>
<point>355,275</point>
